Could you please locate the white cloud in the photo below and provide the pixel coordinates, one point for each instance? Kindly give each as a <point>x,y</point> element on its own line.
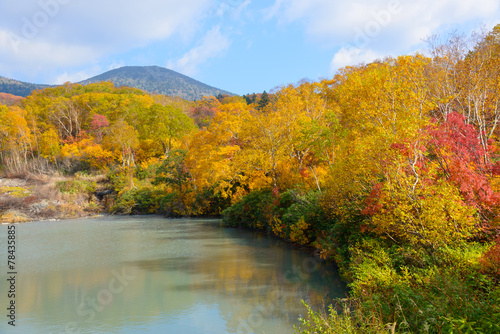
<point>239,8</point>
<point>55,34</point>
<point>352,56</point>
<point>88,72</point>
<point>212,45</point>
<point>232,7</point>
<point>72,77</point>
<point>337,20</point>
<point>115,65</point>
<point>108,21</point>
<point>369,29</point>
<point>21,55</point>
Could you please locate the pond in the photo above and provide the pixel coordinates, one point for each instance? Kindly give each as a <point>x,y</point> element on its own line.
<point>148,274</point>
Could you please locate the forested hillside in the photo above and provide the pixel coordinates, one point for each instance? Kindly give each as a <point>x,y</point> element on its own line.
<point>391,169</point>
<point>18,88</point>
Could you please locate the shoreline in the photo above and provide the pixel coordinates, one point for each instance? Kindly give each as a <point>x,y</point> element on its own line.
<point>55,219</point>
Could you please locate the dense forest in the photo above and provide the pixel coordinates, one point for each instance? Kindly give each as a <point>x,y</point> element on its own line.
<point>392,169</point>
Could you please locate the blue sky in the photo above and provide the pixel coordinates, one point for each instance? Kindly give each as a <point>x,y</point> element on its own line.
<point>242,46</point>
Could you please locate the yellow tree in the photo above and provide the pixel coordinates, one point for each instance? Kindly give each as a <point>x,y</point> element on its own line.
<point>312,136</point>
<point>123,137</point>
<point>376,105</point>
<point>214,153</point>
<point>415,205</point>
<point>265,143</point>
<point>49,144</point>
<point>15,138</point>
<point>288,138</point>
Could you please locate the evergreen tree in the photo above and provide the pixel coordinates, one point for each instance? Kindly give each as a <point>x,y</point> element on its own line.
<point>264,100</point>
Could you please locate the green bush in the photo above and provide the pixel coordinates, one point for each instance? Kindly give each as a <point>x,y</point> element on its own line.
<point>254,211</point>
<point>210,202</point>
<point>280,214</point>
<point>349,321</point>
<point>76,186</point>
<point>145,200</point>
<point>434,292</point>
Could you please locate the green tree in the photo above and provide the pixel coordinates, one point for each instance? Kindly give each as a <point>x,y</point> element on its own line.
<point>264,100</point>
<point>165,124</point>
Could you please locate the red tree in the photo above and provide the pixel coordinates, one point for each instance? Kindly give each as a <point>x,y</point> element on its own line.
<point>97,125</point>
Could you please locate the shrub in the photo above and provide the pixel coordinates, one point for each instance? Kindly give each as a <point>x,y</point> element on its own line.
<point>254,210</point>
<point>76,186</point>
<point>298,232</point>
<point>124,203</point>
<point>490,261</point>
<point>148,200</point>
<point>440,292</point>
<point>210,202</point>
<point>345,322</point>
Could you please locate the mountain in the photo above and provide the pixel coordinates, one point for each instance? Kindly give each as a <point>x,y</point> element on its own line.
<point>157,80</point>
<point>152,79</point>
<point>18,88</point>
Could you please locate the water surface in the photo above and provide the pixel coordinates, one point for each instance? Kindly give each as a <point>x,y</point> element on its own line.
<point>155,275</point>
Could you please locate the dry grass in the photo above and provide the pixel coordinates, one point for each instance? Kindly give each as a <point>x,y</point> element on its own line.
<point>92,178</point>
<point>10,202</point>
<point>47,191</point>
<point>45,199</point>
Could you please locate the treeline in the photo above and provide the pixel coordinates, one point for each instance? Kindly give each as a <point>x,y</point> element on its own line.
<point>391,169</point>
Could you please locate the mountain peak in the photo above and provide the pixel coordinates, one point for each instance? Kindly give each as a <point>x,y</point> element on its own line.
<point>157,80</point>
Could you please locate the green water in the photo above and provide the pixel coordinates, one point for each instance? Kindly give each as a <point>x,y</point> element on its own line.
<point>155,275</point>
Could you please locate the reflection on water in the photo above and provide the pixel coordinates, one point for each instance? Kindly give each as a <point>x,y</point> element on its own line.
<point>154,275</point>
